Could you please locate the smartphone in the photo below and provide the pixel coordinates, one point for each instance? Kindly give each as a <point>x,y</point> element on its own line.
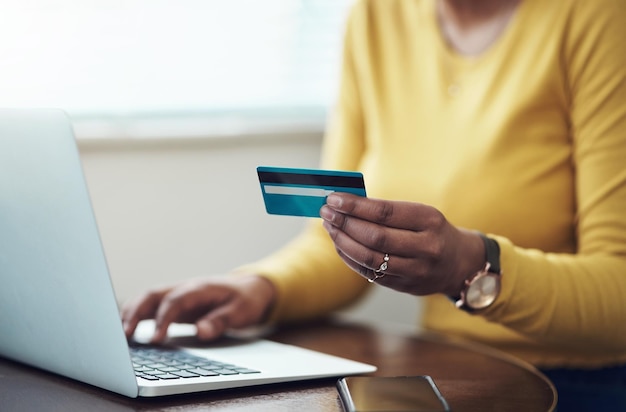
<point>390,394</point>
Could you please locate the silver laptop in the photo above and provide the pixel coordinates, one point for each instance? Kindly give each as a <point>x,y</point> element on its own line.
<point>58,310</point>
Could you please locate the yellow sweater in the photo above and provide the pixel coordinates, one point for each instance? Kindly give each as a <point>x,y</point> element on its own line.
<point>526,142</point>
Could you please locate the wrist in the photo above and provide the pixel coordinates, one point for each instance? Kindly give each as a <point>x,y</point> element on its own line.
<point>471,260</point>
<point>482,288</point>
<point>266,295</point>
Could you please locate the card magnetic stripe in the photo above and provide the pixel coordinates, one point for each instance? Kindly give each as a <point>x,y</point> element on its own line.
<point>313,179</point>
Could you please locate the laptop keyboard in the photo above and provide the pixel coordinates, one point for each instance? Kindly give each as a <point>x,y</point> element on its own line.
<point>155,363</point>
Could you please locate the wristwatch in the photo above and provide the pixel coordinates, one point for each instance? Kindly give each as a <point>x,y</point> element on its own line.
<point>481,289</point>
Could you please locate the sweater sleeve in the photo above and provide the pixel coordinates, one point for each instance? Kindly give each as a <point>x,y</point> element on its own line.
<point>578,299</point>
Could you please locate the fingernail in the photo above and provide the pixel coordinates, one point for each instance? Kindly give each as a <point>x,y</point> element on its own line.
<point>327,214</point>
<point>333,200</point>
<point>329,227</point>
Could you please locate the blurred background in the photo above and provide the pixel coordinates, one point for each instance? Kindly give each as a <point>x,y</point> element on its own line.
<point>174,105</point>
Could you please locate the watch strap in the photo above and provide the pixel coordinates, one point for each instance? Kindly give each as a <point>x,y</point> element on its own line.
<point>492,253</point>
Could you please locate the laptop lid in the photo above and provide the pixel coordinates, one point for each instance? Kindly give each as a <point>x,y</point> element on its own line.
<point>57,306</point>
<point>58,309</point>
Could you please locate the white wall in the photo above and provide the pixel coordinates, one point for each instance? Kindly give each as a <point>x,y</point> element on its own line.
<point>171,209</point>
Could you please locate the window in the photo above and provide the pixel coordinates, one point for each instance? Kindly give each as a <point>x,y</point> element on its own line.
<point>117,63</point>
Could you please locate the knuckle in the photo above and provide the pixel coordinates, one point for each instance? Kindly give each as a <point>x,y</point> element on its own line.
<point>174,300</point>
<point>152,297</point>
<point>435,248</point>
<point>149,295</point>
<point>437,220</point>
<point>383,211</point>
<point>378,239</point>
<point>436,245</point>
<point>340,221</point>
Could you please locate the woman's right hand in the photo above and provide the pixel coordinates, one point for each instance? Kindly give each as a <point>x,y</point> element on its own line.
<point>214,304</point>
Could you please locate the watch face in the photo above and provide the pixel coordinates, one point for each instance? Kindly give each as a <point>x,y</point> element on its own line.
<point>483,291</point>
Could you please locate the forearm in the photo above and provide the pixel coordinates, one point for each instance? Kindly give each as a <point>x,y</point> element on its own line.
<point>309,277</point>
<point>571,300</point>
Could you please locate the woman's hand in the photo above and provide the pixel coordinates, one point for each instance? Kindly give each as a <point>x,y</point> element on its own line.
<point>426,254</point>
<point>214,304</point>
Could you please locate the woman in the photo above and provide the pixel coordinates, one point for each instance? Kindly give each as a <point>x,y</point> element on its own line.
<point>492,138</point>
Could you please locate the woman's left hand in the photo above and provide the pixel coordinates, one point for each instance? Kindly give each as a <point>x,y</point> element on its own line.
<point>406,246</point>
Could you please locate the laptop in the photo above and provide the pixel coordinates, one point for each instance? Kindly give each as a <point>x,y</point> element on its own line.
<point>58,309</point>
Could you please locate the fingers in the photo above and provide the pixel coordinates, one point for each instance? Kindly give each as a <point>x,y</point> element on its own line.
<point>186,304</point>
<point>250,306</point>
<point>406,246</point>
<point>396,233</point>
<point>400,215</point>
<point>143,307</point>
<point>214,305</point>
<point>364,260</point>
<point>215,323</point>
<point>364,271</point>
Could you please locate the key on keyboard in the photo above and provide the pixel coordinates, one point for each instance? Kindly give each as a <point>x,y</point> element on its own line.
<point>154,363</point>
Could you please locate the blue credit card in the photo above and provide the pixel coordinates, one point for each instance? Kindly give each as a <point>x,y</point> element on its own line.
<point>302,192</point>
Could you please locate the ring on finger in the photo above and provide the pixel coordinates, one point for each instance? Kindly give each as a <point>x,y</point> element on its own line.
<point>380,272</point>
<point>377,275</point>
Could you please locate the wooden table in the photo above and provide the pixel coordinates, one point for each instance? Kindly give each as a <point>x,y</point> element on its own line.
<point>471,378</point>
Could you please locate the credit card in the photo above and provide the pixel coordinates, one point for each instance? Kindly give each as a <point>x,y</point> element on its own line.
<point>302,192</point>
